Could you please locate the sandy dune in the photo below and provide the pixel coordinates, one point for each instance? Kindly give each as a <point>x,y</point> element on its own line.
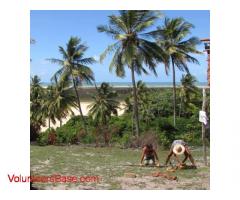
<point>84,106</point>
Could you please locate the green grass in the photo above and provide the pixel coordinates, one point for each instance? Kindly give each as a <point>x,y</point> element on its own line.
<point>109,164</point>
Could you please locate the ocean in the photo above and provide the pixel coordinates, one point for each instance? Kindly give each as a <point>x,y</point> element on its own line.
<point>129,84</point>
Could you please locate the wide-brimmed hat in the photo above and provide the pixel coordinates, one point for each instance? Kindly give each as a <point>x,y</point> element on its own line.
<point>178,149</point>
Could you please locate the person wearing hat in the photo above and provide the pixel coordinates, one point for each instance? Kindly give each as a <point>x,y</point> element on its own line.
<point>178,148</point>
<point>149,155</point>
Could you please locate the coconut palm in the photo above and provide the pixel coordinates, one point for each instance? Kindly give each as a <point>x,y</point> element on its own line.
<point>48,105</point>
<point>145,102</point>
<point>103,107</point>
<point>37,119</point>
<point>75,67</point>
<point>133,48</point>
<point>64,99</point>
<point>58,101</point>
<point>172,38</point>
<point>187,90</point>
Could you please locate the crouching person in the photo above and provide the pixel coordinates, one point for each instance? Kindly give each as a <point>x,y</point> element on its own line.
<point>149,156</point>
<point>178,148</point>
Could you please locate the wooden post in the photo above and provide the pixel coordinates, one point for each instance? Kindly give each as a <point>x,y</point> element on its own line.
<point>204,128</point>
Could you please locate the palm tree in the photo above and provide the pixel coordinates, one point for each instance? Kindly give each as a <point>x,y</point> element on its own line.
<point>75,67</point>
<point>143,100</point>
<point>141,94</point>
<point>64,98</point>
<point>103,107</point>
<point>58,100</point>
<point>172,38</point>
<point>132,47</point>
<point>48,105</point>
<point>37,119</point>
<point>187,90</point>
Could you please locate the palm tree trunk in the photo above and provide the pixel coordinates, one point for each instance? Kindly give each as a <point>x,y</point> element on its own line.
<point>97,136</point>
<point>135,103</point>
<point>174,94</point>
<point>79,104</point>
<point>60,120</point>
<point>49,123</point>
<point>180,107</point>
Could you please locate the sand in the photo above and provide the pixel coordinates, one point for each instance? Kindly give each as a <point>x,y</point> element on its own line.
<point>85,109</point>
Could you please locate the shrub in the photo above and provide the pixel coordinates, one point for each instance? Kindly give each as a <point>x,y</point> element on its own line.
<point>72,132</point>
<point>120,124</point>
<point>87,138</point>
<point>125,140</point>
<point>44,137</point>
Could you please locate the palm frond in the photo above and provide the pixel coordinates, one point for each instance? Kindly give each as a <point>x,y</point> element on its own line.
<point>109,50</point>
<point>56,61</point>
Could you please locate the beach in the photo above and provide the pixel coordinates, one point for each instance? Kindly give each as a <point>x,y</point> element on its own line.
<point>85,109</point>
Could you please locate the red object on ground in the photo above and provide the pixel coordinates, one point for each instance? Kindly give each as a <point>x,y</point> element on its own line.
<point>164,175</point>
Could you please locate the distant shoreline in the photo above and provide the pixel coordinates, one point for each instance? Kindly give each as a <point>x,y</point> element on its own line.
<point>121,85</point>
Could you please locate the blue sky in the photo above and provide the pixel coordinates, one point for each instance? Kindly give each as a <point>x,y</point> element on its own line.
<point>51,29</point>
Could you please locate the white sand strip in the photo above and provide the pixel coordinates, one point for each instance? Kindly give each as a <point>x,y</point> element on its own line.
<point>85,109</point>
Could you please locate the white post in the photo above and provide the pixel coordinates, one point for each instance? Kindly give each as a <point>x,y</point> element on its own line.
<point>204,128</point>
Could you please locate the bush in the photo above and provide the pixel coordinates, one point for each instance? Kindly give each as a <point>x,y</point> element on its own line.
<point>120,125</point>
<point>72,132</point>
<point>88,139</point>
<point>125,140</point>
<point>44,139</point>
<point>119,132</point>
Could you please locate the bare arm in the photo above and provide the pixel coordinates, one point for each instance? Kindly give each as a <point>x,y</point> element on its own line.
<point>143,154</point>
<point>190,156</point>
<point>168,157</point>
<point>186,157</point>
<point>156,156</point>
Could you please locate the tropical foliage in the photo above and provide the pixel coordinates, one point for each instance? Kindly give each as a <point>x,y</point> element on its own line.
<point>50,104</point>
<point>59,100</point>
<point>171,38</point>
<point>140,48</point>
<point>37,118</point>
<point>103,107</point>
<point>132,48</point>
<point>188,93</point>
<point>74,66</point>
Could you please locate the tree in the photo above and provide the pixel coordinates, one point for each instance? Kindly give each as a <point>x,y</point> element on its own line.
<point>187,92</point>
<point>65,98</point>
<point>37,119</point>
<point>103,107</point>
<point>58,100</point>
<point>48,105</point>
<point>75,67</point>
<point>132,48</point>
<point>144,100</point>
<point>172,38</point>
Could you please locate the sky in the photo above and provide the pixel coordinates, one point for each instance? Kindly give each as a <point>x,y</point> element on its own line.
<point>52,29</point>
